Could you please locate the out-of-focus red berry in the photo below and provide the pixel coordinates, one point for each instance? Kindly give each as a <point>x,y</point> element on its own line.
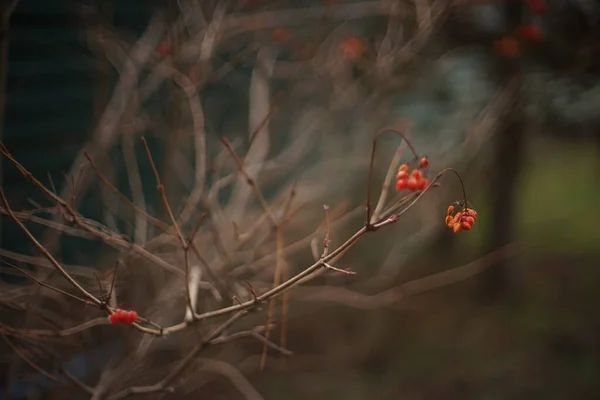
<point>537,6</point>
<point>507,47</point>
<point>530,32</point>
<point>164,49</point>
<point>412,183</point>
<point>352,48</point>
<point>281,35</point>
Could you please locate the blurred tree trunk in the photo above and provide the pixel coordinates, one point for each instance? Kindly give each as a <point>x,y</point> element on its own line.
<point>508,146</point>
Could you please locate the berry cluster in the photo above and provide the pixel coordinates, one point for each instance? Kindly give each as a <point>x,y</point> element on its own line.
<point>462,221</point>
<point>413,180</point>
<point>123,317</point>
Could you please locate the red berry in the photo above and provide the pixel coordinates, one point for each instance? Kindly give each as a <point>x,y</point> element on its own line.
<point>412,183</point>
<point>416,174</point>
<point>401,184</point>
<point>424,163</point>
<point>470,220</point>
<point>132,317</point>
<point>404,168</point>
<point>423,183</point>
<point>123,316</point>
<point>402,175</point>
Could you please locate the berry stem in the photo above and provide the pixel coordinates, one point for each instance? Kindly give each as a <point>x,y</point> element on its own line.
<point>462,183</point>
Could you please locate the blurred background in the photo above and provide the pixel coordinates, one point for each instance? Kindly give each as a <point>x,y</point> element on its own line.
<point>505,91</point>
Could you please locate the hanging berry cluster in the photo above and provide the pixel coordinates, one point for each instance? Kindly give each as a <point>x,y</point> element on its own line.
<point>461,221</point>
<point>123,317</point>
<point>413,180</point>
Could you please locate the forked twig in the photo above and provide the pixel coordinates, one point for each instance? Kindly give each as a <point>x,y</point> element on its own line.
<point>368,222</point>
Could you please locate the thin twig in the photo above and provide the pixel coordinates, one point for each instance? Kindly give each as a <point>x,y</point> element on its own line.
<point>161,192</point>
<point>46,254</point>
<point>249,180</point>
<point>33,278</point>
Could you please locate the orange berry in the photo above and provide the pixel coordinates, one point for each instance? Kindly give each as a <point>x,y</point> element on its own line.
<point>448,220</point>
<point>404,168</point>
<point>416,174</point>
<point>471,212</point>
<point>456,228</point>
<point>424,163</point>
<point>470,220</point>
<point>450,210</point>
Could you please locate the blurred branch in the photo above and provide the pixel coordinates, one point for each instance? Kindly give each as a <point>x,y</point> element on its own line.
<point>349,298</point>
<point>108,126</point>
